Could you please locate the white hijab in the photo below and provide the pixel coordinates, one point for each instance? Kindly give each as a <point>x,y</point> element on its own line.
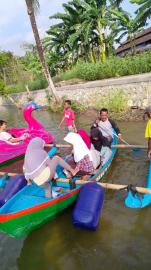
<point>79,147</point>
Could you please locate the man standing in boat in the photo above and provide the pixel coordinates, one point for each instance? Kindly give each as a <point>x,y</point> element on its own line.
<point>148,130</point>
<point>106,124</point>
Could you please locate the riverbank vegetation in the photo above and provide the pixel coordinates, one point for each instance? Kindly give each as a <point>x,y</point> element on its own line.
<point>81,44</point>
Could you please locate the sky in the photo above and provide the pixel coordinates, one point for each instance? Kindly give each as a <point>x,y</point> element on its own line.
<point>15,28</point>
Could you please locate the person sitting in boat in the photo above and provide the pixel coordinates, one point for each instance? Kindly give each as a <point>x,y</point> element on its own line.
<point>87,160</point>
<point>148,130</point>
<point>85,137</point>
<point>106,124</point>
<point>7,137</point>
<point>39,167</point>
<point>101,144</point>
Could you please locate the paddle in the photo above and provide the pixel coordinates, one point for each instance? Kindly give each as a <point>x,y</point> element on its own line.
<point>104,185</point>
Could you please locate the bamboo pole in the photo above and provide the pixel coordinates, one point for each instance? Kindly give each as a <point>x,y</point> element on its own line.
<point>59,145</point>
<point>119,146</point>
<point>108,185</point>
<point>104,185</point>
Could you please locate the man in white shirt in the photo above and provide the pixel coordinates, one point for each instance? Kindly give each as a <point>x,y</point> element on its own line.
<point>106,124</point>
<point>6,136</point>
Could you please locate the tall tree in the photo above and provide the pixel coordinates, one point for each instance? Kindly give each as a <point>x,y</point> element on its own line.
<point>32,6</point>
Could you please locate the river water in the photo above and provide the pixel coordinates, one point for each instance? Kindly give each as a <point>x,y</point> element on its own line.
<point>122,240</point>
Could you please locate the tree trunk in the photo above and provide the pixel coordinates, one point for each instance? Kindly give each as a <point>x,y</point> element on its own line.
<point>101,43</point>
<point>92,56</point>
<point>132,43</point>
<point>31,14</point>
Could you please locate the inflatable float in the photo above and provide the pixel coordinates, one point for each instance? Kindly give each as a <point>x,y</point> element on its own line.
<point>136,200</point>
<point>12,152</point>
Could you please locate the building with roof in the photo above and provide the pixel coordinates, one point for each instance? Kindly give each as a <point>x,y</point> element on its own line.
<point>142,42</point>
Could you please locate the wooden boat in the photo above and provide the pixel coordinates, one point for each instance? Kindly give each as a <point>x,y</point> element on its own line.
<point>135,200</point>
<point>28,209</point>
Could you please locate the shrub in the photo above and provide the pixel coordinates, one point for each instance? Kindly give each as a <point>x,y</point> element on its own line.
<point>114,67</point>
<point>37,84</point>
<point>115,101</point>
<point>2,87</point>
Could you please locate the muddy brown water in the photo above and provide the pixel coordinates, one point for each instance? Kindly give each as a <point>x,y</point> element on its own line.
<point>122,240</point>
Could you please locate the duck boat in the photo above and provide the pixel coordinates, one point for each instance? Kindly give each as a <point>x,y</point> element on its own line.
<point>12,152</point>
<point>135,200</point>
<point>29,208</point>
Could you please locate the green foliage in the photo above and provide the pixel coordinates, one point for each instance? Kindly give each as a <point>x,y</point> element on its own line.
<point>38,84</point>
<point>115,101</point>
<point>113,67</point>
<point>76,106</point>
<point>2,88</point>
<point>31,61</point>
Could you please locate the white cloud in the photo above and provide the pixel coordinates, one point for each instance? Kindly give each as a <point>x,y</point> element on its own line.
<point>15,28</point>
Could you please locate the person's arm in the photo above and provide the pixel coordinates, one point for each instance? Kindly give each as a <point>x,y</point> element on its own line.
<point>149,148</point>
<point>74,126</point>
<point>19,139</point>
<point>116,128</point>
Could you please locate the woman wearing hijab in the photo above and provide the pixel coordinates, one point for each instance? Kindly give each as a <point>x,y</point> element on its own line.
<point>39,167</point>
<point>83,157</point>
<point>85,137</point>
<point>101,144</point>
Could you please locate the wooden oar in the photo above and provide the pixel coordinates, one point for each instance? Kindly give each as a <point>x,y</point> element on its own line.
<point>130,146</point>
<point>59,145</point>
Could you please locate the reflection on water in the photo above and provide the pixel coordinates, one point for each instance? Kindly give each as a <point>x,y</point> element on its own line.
<point>122,241</point>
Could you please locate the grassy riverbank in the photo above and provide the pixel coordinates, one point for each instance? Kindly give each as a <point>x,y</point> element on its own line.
<point>114,67</point>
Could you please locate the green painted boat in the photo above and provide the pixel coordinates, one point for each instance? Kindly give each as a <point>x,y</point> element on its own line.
<point>29,208</point>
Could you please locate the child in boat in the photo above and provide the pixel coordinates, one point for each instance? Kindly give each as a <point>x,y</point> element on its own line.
<point>106,124</point>
<point>148,130</point>
<point>7,137</point>
<point>101,144</point>
<point>39,167</point>
<point>68,117</point>
<point>87,160</point>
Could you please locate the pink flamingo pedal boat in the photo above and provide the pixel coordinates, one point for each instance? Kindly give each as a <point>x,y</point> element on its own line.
<point>12,152</point>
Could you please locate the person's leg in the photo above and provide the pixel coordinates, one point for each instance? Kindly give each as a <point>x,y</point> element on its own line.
<point>105,154</point>
<point>47,189</point>
<point>58,161</point>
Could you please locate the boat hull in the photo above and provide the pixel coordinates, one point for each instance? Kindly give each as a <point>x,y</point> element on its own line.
<point>20,222</point>
<point>23,223</point>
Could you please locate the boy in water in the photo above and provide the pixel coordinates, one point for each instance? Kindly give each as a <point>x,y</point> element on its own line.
<point>106,124</point>
<point>68,117</point>
<point>7,137</point>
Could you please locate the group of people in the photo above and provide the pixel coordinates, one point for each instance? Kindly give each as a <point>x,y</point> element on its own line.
<point>89,151</point>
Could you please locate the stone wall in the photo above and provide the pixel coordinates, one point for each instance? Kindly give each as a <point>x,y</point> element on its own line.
<point>137,90</point>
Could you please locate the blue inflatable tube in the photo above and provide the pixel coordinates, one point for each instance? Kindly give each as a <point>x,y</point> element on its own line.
<point>15,184</point>
<point>138,200</point>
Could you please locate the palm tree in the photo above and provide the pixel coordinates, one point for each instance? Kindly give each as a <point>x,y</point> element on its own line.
<point>144,10</point>
<point>32,6</point>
